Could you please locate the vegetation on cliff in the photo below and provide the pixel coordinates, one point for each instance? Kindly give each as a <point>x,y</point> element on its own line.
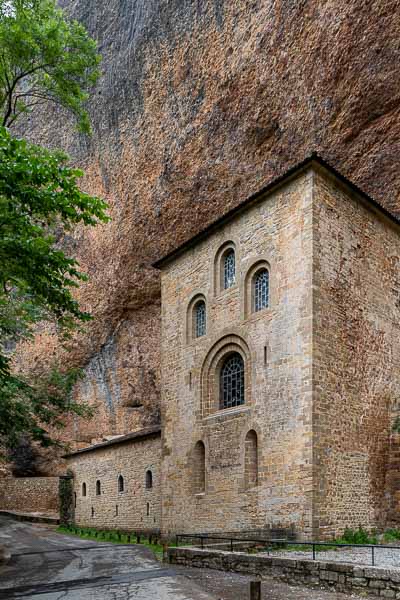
<point>43,56</point>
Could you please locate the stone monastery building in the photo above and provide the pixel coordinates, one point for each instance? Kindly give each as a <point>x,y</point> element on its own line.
<point>280,374</point>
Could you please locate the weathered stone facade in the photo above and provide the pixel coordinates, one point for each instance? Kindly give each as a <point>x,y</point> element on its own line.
<point>321,364</point>
<point>276,344</point>
<point>29,494</point>
<point>131,504</point>
<point>356,356</point>
<point>303,441</point>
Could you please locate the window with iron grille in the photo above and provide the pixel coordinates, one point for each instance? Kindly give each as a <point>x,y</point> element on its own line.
<point>200,319</point>
<point>229,273</point>
<point>232,382</point>
<point>261,289</point>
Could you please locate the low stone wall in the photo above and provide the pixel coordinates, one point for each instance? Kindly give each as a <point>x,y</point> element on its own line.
<point>342,577</point>
<point>29,494</point>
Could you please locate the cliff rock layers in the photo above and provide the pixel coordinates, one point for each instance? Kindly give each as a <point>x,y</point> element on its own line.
<point>200,104</point>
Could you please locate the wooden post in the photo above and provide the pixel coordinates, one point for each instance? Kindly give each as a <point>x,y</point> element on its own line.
<point>165,551</point>
<point>255,590</point>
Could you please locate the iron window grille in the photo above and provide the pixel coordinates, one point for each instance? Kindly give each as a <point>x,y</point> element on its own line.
<point>229,269</point>
<point>200,319</point>
<point>232,382</point>
<point>261,290</point>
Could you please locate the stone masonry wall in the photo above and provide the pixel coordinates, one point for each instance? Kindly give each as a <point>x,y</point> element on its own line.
<point>343,577</point>
<point>29,494</point>
<point>356,352</point>
<point>138,506</point>
<point>276,343</point>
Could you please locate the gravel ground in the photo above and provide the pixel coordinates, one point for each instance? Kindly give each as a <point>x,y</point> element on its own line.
<point>385,558</point>
<point>231,586</point>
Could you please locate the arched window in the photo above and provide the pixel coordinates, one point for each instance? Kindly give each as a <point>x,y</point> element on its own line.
<point>199,468</point>
<point>98,488</point>
<point>149,479</point>
<point>199,318</point>
<point>120,483</point>
<point>250,460</point>
<point>229,269</point>
<point>83,489</point>
<point>260,289</point>
<point>232,381</point>
<point>196,318</point>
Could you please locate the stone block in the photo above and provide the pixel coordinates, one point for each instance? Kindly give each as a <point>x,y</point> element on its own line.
<point>376,584</point>
<point>357,581</point>
<point>329,575</point>
<point>376,572</point>
<point>387,594</point>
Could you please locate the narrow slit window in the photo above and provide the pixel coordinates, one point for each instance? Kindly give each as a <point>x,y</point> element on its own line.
<point>149,480</point>
<point>229,269</point>
<point>98,488</point>
<point>251,460</point>
<point>261,289</point>
<point>147,509</point>
<point>84,489</point>
<point>232,382</point>
<point>199,468</point>
<point>120,484</point>
<point>200,319</point>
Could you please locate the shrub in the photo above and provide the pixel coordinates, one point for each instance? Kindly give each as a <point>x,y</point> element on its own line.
<point>357,536</point>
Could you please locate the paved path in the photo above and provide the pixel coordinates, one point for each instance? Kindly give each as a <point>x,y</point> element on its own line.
<point>49,566</point>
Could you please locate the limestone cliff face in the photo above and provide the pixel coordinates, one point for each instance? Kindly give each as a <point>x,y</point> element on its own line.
<point>200,104</point>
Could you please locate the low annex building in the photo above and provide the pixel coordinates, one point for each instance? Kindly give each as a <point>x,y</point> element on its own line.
<point>117,483</point>
<point>280,371</point>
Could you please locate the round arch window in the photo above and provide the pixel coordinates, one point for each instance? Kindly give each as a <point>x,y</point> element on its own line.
<point>199,319</point>
<point>228,269</point>
<point>231,380</point>
<point>260,289</point>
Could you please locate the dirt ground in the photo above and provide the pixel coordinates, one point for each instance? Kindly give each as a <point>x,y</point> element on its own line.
<point>231,586</point>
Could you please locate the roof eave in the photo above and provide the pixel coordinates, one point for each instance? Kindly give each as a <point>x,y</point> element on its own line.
<point>312,159</point>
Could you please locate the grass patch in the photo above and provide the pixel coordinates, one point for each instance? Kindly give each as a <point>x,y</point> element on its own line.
<point>113,536</point>
<point>357,536</point>
<point>391,535</point>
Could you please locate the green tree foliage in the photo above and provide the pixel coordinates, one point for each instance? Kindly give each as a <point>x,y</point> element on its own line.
<point>44,57</point>
<point>39,201</point>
